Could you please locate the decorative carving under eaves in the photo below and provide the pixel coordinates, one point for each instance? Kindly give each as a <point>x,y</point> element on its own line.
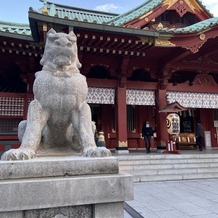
<point>181,8</point>
<point>164,42</point>
<point>204,79</point>
<point>193,5</point>
<point>194,48</point>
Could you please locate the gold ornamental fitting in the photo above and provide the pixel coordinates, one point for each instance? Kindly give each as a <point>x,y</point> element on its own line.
<point>202,36</point>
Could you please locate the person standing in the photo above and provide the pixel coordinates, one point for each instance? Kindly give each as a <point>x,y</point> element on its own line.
<point>147,133</point>
<point>200,136</point>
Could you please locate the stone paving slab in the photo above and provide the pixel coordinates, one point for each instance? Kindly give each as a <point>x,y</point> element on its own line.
<point>181,199</point>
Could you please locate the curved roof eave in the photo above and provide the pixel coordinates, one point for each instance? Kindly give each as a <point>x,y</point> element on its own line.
<point>197,27</point>
<point>33,16</point>
<point>135,12</point>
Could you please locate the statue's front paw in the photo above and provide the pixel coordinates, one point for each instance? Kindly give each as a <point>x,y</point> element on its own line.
<point>89,153</point>
<point>103,152</point>
<point>97,152</point>
<point>19,154</point>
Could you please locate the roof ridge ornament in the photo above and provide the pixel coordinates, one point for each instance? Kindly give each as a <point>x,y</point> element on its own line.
<point>159,26</point>
<point>45,9</point>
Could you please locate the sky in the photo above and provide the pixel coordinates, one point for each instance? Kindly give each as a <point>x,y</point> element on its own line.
<point>16,11</point>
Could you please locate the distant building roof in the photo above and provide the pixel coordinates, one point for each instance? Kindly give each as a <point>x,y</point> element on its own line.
<point>72,13</point>
<point>22,29</point>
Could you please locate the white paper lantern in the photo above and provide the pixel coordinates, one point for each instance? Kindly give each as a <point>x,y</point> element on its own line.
<point>173,123</point>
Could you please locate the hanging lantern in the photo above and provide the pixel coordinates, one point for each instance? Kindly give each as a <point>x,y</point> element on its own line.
<point>173,123</point>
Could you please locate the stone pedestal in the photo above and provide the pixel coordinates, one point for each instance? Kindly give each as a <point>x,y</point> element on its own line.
<point>62,187</point>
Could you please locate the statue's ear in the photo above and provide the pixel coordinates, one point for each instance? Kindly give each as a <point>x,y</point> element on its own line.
<point>72,34</point>
<point>52,31</point>
<point>78,64</point>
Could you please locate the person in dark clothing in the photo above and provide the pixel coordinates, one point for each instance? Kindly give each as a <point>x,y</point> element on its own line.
<point>199,136</point>
<point>147,133</point>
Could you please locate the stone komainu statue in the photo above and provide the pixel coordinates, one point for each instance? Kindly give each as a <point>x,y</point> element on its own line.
<point>59,116</point>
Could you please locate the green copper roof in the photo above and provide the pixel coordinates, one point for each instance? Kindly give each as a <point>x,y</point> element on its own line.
<point>145,7</point>
<point>197,27</point>
<point>22,29</point>
<point>84,15</point>
<point>136,12</point>
<point>73,13</point>
<point>80,14</point>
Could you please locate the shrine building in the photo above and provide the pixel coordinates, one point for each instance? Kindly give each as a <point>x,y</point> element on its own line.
<point>137,64</point>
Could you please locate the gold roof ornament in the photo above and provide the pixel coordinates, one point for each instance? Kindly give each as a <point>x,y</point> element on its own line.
<point>165,42</point>
<point>44,9</point>
<point>159,26</point>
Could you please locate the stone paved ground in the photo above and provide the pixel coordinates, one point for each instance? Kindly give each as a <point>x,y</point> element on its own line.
<point>180,199</point>
<point>127,215</point>
<point>170,199</point>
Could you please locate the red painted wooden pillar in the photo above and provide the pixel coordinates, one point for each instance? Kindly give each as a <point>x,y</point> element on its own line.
<point>162,134</point>
<point>122,144</point>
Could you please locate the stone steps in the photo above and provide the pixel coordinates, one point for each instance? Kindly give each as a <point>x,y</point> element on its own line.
<point>169,167</point>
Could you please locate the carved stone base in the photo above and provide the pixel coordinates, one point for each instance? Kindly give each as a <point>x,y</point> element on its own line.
<point>63,187</point>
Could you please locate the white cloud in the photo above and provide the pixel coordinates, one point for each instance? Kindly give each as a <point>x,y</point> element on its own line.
<point>209,2</point>
<point>107,7</point>
<point>212,6</point>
